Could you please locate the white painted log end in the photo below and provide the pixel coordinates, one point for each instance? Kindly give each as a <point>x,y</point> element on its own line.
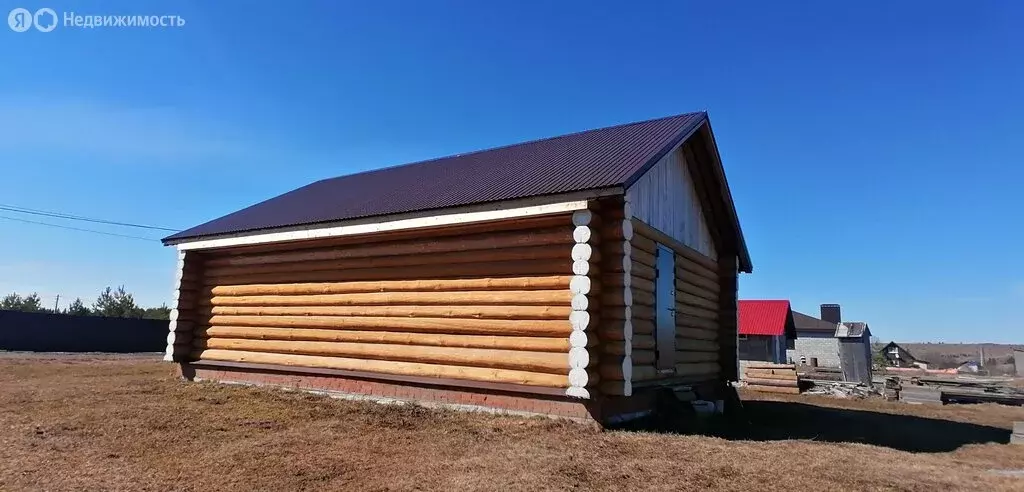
<point>580,284</point>
<point>582,234</point>
<point>627,296</point>
<point>627,329</point>
<point>173,316</point>
<point>582,252</point>
<point>579,358</point>
<point>579,377</point>
<point>578,339</point>
<point>577,392</point>
<point>181,255</point>
<point>627,210</point>
<point>582,217</point>
<point>627,229</point>
<point>581,268</point>
<point>627,265</point>
<point>627,248</point>
<point>627,388</point>
<point>580,302</point>
<point>627,281</point>
<point>169,357</point>
<point>580,320</point>
<point>172,326</point>
<point>627,368</point>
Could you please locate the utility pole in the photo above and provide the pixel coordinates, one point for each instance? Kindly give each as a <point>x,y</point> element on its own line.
<point>56,303</point>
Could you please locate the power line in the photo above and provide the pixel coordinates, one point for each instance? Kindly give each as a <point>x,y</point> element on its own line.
<point>59,215</point>
<point>76,228</point>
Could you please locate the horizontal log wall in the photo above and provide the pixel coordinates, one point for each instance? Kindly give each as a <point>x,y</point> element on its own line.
<point>698,327</point>
<point>618,330</point>
<point>510,301</point>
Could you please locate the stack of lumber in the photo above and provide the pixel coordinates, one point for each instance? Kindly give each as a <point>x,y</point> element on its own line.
<point>911,393</point>
<point>1018,433</point>
<point>772,378</point>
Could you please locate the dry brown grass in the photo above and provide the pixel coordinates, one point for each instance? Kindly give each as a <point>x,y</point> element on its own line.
<point>122,424</point>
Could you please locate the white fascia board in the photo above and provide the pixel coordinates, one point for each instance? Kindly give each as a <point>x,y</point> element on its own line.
<point>462,215</point>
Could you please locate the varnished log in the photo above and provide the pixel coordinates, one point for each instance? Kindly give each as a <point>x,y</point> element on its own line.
<point>641,357</point>
<point>644,313</point>
<point>416,325</point>
<point>693,290</point>
<point>390,367</point>
<point>643,327</point>
<point>644,258</point>
<point>686,321</point>
<point>686,356</point>
<point>547,362</point>
<point>644,244</point>
<point>644,372</point>
<point>404,311</point>
<point>619,280</point>
<point>711,287</point>
<point>556,282</point>
<point>643,341</point>
<point>536,344</point>
<point>479,298</point>
<point>644,286</point>
<point>696,334</point>
<point>643,271</point>
<point>513,226</point>
<point>487,269</point>
<point>615,330</point>
<point>691,345</point>
<point>411,247</point>
<point>616,297</point>
<point>616,230</point>
<point>697,368</point>
<point>692,300</point>
<point>642,229</point>
<point>641,298</point>
<point>549,252</point>
<point>697,312</point>
<point>686,269</point>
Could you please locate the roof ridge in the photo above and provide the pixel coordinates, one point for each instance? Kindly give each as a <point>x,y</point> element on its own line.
<point>516,144</point>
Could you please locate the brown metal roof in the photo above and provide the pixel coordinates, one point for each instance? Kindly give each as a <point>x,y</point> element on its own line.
<point>606,158</point>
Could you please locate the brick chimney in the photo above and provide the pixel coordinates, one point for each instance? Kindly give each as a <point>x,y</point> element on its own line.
<point>831,313</point>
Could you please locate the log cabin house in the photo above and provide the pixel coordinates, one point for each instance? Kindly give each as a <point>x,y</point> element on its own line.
<point>572,276</point>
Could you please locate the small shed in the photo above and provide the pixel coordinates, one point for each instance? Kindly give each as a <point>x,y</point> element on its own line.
<point>574,275</point>
<point>855,351</point>
<point>766,330</point>
<point>1018,360</point>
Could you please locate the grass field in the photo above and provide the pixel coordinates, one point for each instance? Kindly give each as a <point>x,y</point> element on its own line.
<point>128,424</point>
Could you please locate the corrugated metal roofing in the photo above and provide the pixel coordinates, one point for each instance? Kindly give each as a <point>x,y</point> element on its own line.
<point>588,160</point>
<point>852,329</point>
<point>763,317</point>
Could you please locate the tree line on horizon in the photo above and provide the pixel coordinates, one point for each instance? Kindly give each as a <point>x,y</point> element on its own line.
<point>112,303</point>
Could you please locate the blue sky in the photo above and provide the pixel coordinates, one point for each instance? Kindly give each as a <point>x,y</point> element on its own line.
<point>873,148</point>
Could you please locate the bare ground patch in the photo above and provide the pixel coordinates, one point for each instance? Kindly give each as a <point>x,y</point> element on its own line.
<point>124,424</point>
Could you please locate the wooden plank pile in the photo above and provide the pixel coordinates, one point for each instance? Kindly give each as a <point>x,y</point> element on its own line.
<point>1018,433</point>
<point>910,393</point>
<point>772,378</point>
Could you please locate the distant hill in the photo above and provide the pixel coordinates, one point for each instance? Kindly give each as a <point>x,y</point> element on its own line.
<point>945,355</point>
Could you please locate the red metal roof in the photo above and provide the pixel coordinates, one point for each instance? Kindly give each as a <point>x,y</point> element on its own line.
<point>771,318</point>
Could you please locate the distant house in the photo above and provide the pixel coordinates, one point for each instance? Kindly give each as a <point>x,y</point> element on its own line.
<point>970,366</point>
<point>766,330</point>
<point>897,356</point>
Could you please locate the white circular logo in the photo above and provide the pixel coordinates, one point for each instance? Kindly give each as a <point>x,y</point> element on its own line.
<point>45,19</point>
<point>20,19</point>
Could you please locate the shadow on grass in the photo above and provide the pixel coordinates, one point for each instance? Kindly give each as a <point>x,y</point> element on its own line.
<point>780,420</point>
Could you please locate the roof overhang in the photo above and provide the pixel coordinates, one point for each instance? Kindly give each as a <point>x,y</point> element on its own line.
<point>510,209</point>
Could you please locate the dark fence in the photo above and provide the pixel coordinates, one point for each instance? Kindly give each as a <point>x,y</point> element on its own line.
<point>44,332</point>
